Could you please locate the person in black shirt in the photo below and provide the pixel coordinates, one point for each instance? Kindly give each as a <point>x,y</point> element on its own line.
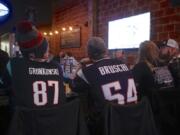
<point>169,52</point>
<point>4,58</point>
<point>35,82</point>
<point>149,72</point>
<point>105,80</point>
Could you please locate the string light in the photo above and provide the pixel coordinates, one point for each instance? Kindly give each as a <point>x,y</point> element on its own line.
<point>70,28</point>
<point>50,33</point>
<point>45,33</point>
<point>63,29</point>
<point>56,32</point>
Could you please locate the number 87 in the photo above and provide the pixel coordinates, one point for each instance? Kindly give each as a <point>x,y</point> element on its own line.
<point>40,92</point>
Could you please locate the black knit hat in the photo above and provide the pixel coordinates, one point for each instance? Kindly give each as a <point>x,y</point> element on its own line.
<point>30,40</point>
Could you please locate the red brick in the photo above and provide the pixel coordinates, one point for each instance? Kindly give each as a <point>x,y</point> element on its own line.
<point>169,11</point>
<point>177,27</point>
<point>157,21</point>
<point>165,20</point>
<point>163,36</point>
<point>173,35</point>
<point>158,28</point>
<point>158,13</point>
<point>169,28</point>
<point>164,4</point>
<point>154,6</point>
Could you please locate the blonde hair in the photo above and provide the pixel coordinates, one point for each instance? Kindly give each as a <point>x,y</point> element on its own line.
<point>148,52</point>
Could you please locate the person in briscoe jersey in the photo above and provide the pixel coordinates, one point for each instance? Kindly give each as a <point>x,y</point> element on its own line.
<point>35,82</point>
<point>105,80</point>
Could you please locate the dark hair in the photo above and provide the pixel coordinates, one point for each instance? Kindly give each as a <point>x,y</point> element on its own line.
<point>96,48</point>
<point>148,51</point>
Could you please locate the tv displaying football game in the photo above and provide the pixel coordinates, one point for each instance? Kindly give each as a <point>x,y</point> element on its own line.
<point>128,33</point>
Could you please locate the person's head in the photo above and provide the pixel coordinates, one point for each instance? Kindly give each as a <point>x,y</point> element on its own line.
<point>148,52</point>
<point>62,54</point>
<point>119,54</point>
<point>31,42</point>
<point>168,49</point>
<point>69,54</point>
<point>96,48</point>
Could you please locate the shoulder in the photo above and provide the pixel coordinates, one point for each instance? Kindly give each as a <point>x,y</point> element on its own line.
<point>140,65</point>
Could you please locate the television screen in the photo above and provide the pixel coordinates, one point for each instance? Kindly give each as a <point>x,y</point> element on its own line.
<point>128,33</point>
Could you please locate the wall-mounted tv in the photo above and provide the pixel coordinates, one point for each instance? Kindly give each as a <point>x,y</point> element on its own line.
<point>128,33</point>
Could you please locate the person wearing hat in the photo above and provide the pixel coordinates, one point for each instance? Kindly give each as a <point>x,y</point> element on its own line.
<point>168,49</point>
<point>105,80</point>
<point>170,55</point>
<point>174,60</point>
<point>35,82</point>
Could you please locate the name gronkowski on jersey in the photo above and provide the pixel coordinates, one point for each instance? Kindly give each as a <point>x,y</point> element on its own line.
<point>37,84</point>
<point>111,80</point>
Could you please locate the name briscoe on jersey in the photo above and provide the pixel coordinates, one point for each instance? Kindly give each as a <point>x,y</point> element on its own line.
<point>43,71</point>
<point>113,69</point>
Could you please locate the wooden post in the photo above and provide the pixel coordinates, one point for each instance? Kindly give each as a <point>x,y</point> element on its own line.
<point>92,20</point>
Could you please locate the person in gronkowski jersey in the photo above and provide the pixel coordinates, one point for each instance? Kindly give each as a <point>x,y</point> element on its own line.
<point>35,82</point>
<point>105,80</point>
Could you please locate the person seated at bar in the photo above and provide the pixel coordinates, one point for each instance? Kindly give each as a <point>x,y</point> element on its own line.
<point>149,72</point>
<point>35,81</point>
<point>169,52</point>
<point>105,80</point>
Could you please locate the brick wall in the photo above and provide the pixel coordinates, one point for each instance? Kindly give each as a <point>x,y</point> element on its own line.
<point>165,19</point>
<point>74,14</point>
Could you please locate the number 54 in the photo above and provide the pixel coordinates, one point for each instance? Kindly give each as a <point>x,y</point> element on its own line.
<point>131,92</point>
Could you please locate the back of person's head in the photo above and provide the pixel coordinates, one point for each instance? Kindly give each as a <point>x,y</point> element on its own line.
<point>30,40</point>
<point>96,48</point>
<point>148,51</point>
<point>62,54</point>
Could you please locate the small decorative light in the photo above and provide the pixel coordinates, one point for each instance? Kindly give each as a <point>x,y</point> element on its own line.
<point>45,33</point>
<point>50,33</point>
<point>64,29</point>
<point>56,32</point>
<point>70,28</point>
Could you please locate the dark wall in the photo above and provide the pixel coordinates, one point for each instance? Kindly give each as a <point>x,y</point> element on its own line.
<point>43,10</point>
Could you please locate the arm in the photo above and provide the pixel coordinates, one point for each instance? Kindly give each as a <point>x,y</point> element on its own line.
<point>80,83</point>
<point>6,77</point>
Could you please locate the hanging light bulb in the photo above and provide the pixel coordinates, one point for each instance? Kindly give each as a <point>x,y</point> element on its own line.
<point>63,29</point>
<point>70,28</point>
<point>50,33</point>
<point>56,32</point>
<point>45,33</point>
